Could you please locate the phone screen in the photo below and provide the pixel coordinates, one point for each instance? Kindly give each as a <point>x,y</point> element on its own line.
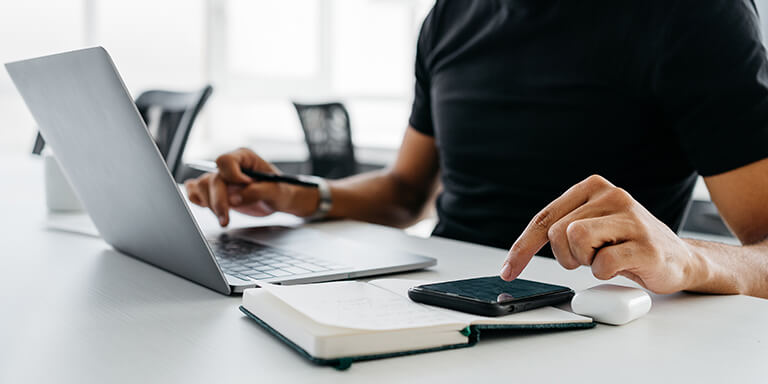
<point>494,290</point>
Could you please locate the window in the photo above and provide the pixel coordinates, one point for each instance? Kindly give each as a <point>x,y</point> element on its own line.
<point>273,40</point>
<point>267,53</point>
<point>155,44</point>
<point>258,54</point>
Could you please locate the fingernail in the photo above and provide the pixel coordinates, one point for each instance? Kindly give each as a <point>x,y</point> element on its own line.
<point>504,270</point>
<point>222,220</point>
<point>235,200</point>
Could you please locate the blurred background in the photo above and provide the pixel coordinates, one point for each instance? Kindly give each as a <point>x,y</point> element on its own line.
<point>259,55</point>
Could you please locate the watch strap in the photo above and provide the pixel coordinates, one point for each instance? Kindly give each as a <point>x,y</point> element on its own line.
<point>325,202</point>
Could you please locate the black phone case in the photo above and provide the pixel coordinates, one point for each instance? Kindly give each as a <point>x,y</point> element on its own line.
<point>484,308</point>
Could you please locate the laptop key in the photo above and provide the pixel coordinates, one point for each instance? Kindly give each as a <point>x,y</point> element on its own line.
<point>259,276</point>
<point>280,272</point>
<point>296,270</point>
<point>253,264</point>
<point>311,267</point>
<point>239,257</point>
<point>280,265</point>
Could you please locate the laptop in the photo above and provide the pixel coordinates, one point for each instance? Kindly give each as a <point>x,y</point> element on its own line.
<point>86,114</point>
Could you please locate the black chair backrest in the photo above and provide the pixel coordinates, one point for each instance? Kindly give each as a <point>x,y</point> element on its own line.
<point>329,139</point>
<point>169,117</point>
<point>39,144</point>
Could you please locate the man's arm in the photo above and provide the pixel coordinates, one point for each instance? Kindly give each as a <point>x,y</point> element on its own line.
<point>597,224</point>
<point>741,197</point>
<point>395,196</point>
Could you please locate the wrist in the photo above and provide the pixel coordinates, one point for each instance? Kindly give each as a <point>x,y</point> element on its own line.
<point>304,201</point>
<point>707,275</point>
<point>311,203</point>
<point>699,272</point>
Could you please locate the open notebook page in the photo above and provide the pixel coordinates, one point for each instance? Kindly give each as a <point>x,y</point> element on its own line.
<point>358,305</point>
<point>543,315</point>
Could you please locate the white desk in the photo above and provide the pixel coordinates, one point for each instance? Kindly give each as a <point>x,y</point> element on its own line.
<point>72,310</point>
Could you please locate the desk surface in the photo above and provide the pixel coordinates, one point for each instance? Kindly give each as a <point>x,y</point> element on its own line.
<point>72,309</point>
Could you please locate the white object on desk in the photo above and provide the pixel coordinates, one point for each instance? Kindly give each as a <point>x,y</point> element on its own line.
<point>59,196</point>
<point>612,304</point>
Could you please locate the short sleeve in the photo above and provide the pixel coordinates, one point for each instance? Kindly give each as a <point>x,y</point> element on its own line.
<point>711,78</point>
<point>421,111</point>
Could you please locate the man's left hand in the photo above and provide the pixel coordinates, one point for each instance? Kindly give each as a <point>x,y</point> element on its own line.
<point>597,224</point>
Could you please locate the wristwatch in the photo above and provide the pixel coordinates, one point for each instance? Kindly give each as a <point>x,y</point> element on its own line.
<point>325,203</point>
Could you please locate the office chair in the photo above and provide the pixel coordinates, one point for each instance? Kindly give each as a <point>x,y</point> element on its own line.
<point>702,217</point>
<point>328,136</point>
<point>169,117</point>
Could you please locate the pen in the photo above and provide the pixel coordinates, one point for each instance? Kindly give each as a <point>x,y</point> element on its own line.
<point>256,175</point>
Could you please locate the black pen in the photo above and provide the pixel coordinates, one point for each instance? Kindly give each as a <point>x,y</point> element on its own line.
<point>256,175</point>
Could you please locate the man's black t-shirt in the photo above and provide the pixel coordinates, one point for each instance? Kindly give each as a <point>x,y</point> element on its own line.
<point>527,97</point>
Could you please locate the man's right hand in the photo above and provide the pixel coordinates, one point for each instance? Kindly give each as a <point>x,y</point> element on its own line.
<point>231,188</point>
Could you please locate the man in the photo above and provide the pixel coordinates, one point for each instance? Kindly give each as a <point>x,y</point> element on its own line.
<point>625,102</point>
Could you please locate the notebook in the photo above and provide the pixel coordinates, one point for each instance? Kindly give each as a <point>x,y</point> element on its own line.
<point>338,323</point>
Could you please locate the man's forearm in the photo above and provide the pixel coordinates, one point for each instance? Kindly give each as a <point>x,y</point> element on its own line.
<point>378,197</point>
<point>723,268</point>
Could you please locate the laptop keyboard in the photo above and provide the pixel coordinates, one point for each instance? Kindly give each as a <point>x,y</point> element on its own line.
<point>251,261</point>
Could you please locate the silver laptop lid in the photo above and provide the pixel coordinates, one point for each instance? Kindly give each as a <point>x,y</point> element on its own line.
<point>90,120</point>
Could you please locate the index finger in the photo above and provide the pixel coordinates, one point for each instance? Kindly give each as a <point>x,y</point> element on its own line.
<point>534,237</point>
<point>219,200</point>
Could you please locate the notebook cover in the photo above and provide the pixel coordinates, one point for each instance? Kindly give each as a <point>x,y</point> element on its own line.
<point>472,333</point>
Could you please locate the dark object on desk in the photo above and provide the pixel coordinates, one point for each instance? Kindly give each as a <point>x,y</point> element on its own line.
<point>329,139</point>
<point>490,296</point>
<point>169,117</point>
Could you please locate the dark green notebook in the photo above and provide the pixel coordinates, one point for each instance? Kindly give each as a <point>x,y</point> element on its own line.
<point>472,332</point>
<point>336,324</point>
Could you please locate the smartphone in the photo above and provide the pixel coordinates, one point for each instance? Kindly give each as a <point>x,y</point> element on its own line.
<point>490,296</point>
